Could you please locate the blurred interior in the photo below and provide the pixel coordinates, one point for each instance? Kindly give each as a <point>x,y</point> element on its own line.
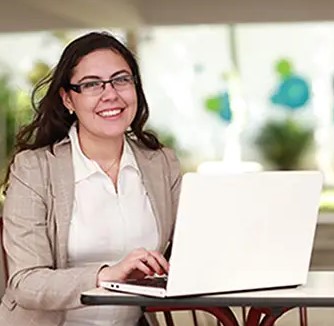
<point>233,86</point>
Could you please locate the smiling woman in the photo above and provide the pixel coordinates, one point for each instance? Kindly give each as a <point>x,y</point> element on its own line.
<point>104,111</point>
<point>90,195</point>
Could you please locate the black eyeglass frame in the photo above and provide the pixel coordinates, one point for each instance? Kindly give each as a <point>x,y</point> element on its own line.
<point>77,87</point>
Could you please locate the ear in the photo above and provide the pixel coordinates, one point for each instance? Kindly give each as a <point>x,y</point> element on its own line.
<point>67,101</point>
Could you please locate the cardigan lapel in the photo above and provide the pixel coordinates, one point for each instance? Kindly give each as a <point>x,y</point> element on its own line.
<point>62,181</point>
<point>155,185</point>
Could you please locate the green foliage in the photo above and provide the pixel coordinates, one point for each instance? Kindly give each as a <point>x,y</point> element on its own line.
<point>39,71</point>
<point>14,111</point>
<point>327,200</point>
<point>7,104</point>
<point>283,143</point>
<point>15,107</point>
<point>166,138</point>
<point>61,36</point>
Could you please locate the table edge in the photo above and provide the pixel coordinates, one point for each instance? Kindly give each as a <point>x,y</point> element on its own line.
<point>207,302</point>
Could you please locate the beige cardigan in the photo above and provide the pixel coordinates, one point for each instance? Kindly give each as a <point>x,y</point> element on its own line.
<point>37,213</point>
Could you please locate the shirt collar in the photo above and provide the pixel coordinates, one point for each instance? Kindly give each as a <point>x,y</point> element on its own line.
<point>128,158</point>
<point>85,167</point>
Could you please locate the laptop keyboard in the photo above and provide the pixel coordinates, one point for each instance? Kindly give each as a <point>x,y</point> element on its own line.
<point>156,282</point>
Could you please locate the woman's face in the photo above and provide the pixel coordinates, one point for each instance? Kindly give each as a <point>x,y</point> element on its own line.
<point>108,112</point>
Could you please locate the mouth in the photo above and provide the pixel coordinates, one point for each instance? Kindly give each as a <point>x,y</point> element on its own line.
<point>110,113</point>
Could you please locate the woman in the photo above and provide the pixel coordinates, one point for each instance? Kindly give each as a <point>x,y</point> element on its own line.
<point>90,195</point>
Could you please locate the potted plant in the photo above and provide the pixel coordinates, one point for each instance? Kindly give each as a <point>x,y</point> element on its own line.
<point>284,142</point>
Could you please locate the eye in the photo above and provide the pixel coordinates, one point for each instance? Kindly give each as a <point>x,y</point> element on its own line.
<point>93,84</point>
<point>123,80</point>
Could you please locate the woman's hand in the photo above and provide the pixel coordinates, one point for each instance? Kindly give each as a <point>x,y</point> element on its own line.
<point>138,264</point>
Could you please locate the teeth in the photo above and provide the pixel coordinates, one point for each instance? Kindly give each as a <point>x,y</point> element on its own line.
<point>109,113</point>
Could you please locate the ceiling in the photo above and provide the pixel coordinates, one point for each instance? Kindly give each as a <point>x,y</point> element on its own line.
<point>32,15</point>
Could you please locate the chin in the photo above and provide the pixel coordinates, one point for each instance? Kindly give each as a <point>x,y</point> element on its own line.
<point>112,135</point>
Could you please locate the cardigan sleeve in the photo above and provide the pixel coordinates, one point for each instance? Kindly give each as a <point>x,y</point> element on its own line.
<point>33,280</point>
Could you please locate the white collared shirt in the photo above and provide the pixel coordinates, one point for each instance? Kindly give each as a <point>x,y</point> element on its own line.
<point>106,225</point>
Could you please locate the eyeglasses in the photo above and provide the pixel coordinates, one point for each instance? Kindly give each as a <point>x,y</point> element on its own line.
<point>97,86</point>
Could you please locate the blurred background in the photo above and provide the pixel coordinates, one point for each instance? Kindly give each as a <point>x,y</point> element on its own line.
<point>231,87</point>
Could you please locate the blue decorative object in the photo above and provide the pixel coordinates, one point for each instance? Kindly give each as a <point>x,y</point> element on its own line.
<point>220,105</point>
<point>293,93</point>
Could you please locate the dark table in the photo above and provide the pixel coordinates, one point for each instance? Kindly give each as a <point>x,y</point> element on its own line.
<point>266,306</point>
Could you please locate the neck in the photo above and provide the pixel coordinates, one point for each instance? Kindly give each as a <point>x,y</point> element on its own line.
<point>101,150</point>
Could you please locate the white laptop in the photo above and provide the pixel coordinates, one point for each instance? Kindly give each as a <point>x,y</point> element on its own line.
<point>239,232</point>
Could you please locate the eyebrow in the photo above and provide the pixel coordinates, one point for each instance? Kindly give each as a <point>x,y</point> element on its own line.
<point>98,77</point>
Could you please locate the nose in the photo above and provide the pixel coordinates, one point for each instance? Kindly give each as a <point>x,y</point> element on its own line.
<point>109,92</point>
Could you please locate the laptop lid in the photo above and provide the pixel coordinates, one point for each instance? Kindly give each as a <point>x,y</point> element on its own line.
<point>243,231</point>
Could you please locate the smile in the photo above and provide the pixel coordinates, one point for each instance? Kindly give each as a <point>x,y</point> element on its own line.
<point>110,113</point>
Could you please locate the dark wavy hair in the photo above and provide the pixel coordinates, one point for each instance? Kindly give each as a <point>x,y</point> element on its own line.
<point>52,121</point>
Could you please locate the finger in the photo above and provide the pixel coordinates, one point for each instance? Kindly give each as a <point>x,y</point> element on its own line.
<point>144,257</point>
<point>139,252</point>
<point>137,274</point>
<point>161,260</point>
<point>143,268</point>
<point>154,265</point>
